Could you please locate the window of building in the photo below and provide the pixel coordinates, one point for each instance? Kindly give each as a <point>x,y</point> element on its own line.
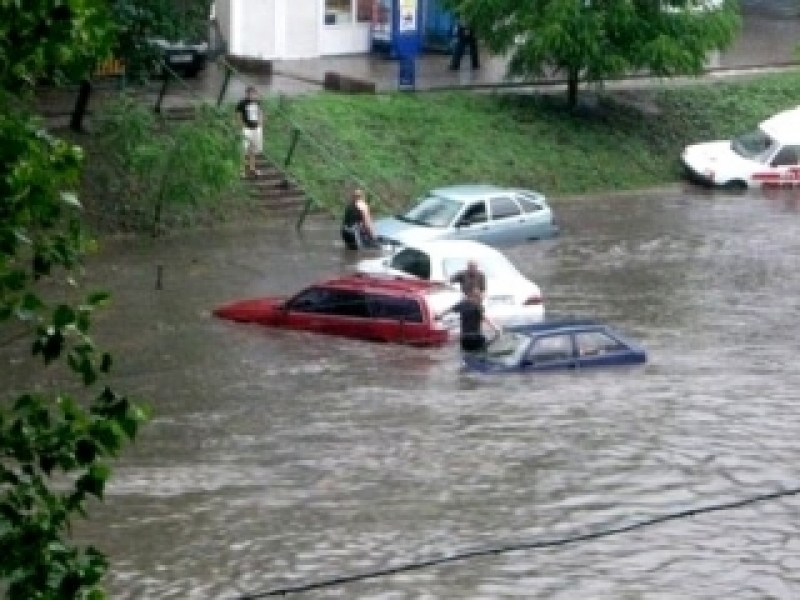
<point>344,12</point>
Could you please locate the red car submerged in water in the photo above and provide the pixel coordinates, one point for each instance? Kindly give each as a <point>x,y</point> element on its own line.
<point>373,308</point>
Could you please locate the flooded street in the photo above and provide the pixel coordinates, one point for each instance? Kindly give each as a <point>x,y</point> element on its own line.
<point>278,459</point>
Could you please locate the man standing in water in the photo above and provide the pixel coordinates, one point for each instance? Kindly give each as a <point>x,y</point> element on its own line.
<point>470,309</point>
<point>357,231</point>
<point>471,277</point>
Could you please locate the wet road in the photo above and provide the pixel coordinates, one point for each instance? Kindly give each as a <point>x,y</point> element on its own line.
<point>277,459</point>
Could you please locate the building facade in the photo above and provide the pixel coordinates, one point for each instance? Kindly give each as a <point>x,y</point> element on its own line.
<point>295,29</point>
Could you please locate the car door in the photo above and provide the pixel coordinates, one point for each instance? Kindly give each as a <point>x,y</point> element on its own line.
<point>472,223</point>
<point>547,352</point>
<point>397,319</point>
<point>330,311</point>
<point>506,221</point>
<point>537,218</point>
<point>597,348</point>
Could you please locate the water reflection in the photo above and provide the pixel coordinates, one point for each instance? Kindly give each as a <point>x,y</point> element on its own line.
<point>281,457</point>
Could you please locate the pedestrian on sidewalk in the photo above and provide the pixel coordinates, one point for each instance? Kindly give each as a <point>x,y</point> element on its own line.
<point>251,118</point>
<point>357,231</point>
<point>465,37</point>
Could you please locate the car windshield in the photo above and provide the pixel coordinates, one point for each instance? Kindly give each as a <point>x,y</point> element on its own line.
<point>756,145</point>
<point>413,262</point>
<point>507,349</point>
<point>432,211</point>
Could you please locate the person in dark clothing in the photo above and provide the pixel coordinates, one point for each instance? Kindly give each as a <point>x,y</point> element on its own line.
<point>470,309</point>
<point>357,231</point>
<point>465,37</point>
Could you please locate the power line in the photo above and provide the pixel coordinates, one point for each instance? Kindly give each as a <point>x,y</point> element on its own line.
<point>519,546</point>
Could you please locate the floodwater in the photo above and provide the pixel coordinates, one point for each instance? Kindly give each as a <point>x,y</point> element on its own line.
<point>280,459</point>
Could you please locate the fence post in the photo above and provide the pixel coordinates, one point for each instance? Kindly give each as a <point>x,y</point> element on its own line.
<point>162,93</point>
<point>224,89</point>
<point>304,213</point>
<point>292,145</point>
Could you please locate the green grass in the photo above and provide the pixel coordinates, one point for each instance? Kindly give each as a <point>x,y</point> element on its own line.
<point>398,145</point>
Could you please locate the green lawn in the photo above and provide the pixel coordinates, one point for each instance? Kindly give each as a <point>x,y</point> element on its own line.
<point>400,144</point>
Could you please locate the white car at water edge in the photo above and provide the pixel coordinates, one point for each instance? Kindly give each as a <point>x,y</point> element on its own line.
<point>766,157</point>
<point>511,299</point>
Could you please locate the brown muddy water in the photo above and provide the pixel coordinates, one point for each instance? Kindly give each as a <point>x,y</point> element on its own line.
<point>278,459</point>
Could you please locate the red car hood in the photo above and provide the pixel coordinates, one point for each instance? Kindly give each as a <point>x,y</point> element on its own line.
<point>253,310</point>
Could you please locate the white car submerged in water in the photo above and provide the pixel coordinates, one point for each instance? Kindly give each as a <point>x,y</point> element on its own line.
<point>511,299</point>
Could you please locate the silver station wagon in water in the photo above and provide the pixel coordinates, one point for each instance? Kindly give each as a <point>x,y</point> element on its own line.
<point>484,213</point>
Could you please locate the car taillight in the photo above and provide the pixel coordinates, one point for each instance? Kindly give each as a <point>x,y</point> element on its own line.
<point>533,301</point>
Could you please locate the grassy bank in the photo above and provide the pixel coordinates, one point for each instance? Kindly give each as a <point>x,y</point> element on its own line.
<point>398,145</point>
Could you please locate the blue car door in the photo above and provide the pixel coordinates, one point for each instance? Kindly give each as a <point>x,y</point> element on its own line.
<point>547,352</point>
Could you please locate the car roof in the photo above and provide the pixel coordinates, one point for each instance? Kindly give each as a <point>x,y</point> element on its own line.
<point>466,191</point>
<point>465,248</point>
<point>784,126</point>
<point>363,282</point>
<point>561,326</point>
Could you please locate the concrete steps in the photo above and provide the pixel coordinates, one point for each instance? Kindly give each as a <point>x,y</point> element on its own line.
<point>272,187</point>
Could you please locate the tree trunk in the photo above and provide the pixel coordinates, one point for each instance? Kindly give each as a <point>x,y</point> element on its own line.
<point>81,106</point>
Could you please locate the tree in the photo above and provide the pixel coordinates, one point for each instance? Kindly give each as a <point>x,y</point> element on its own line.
<point>596,40</point>
<point>55,444</point>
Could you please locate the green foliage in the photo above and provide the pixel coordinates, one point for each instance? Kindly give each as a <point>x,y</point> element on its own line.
<point>154,168</point>
<point>596,40</point>
<point>51,39</point>
<point>401,145</point>
<point>54,446</point>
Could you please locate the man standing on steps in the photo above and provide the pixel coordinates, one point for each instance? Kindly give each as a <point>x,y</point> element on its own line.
<point>251,117</point>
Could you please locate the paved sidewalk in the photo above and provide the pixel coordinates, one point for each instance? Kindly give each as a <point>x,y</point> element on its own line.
<point>763,42</point>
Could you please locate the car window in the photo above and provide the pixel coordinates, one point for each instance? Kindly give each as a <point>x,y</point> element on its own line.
<point>328,301</point>
<point>788,155</point>
<point>395,307</point>
<point>475,213</point>
<point>551,348</point>
<point>757,146</point>
<point>593,343</point>
<point>412,261</point>
<point>503,207</point>
<point>528,203</point>
<point>432,211</point>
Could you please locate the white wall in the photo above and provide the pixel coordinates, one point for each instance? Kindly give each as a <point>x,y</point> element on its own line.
<point>254,27</point>
<point>303,24</point>
<point>286,29</point>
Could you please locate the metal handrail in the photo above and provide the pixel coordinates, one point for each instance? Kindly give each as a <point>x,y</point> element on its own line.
<point>323,148</point>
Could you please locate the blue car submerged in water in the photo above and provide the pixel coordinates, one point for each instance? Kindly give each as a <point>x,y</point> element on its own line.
<point>556,345</point>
